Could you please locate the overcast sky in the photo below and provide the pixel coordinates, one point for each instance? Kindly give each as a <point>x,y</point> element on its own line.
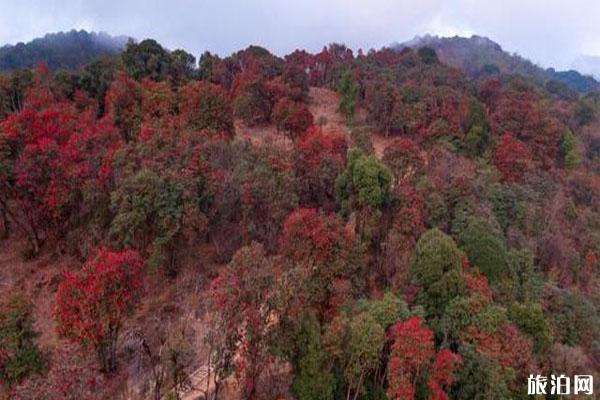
<point>549,32</point>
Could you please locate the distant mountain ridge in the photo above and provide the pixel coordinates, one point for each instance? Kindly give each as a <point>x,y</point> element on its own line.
<point>478,55</point>
<point>588,64</point>
<point>62,50</point>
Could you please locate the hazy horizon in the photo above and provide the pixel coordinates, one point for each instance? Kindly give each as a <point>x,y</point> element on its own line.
<point>548,33</point>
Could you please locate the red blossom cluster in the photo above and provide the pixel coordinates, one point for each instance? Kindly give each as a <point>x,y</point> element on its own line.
<point>412,355</point>
<point>92,305</point>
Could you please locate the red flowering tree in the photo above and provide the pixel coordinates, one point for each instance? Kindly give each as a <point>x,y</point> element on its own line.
<point>589,278</point>
<point>410,219</point>
<point>411,355</point>
<point>398,246</point>
<point>411,352</point>
<point>243,300</point>
<point>448,105</point>
<point>518,111</point>
<point>123,106</point>
<point>91,306</point>
<point>489,91</point>
<point>380,98</point>
<point>442,374</point>
<point>404,159</point>
<point>268,193</point>
<point>294,75</point>
<point>506,345</point>
<point>523,113</point>
<point>158,100</point>
<point>206,106</point>
<point>320,158</point>
<point>292,117</point>
<point>513,158</point>
<point>57,155</point>
<point>477,283</point>
<point>323,252</point>
<point>253,103</point>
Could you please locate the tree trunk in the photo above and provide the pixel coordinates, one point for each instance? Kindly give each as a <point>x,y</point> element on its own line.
<point>5,223</point>
<point>107,351</point>
<point>157,389</point>
<point>359,385</point>
<point>217,388</point>
<point>171,262</point>
<point>208,374</point>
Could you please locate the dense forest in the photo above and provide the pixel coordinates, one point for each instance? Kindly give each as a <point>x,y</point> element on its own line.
<point>62,50</point>
<point>323,226</point>
<point>478,56</point>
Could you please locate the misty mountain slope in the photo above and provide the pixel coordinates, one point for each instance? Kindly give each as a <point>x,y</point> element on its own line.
<point>588,64</point>
<point>63,50</point>
<point>479,55</point>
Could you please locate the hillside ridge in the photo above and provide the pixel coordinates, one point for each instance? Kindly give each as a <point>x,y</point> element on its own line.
<point>480,56</point>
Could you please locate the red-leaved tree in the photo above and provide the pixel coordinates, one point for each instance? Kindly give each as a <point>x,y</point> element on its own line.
<point>320,158</point>
<point>123,106</point>
<point>59,155</point>
<point>404,159</point>
<point>507,346</point>
<point>205,106</point>
<point>324,254</point>
<point>292,117</point>
<point>411,352</point>
<point>243,298</point>
<point>91,306</point>
<point>513,158</point>
<point>442,374</point>
<point>411,355</point>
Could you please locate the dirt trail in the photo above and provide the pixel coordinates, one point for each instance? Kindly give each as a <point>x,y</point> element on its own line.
<point>261,134</point>
<point>197,386</point>
<point>380,143</point>
<point>34,279</point>
<point>324,103</point>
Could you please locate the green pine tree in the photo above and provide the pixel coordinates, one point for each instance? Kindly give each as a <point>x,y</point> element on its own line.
<point>312,381</point>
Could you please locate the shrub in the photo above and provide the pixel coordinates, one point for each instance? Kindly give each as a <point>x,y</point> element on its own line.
<point>349,90</point>
<point>569,151</point>
<point>19,354</point>
<point>485,249</point>
<point>292,117</point>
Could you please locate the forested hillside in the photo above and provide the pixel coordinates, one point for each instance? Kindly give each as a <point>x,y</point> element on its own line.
<point>325,226</point>
<point>63,50</point>
<point>479,56</point>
